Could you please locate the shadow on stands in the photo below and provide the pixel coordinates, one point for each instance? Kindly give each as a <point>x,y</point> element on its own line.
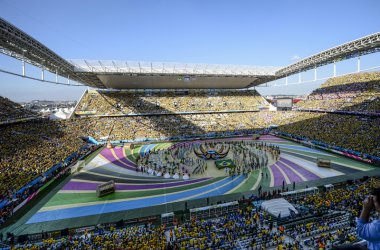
<point>356,86</point>
<point>335,129</point>
<point>343,92</point>
<point>170,125</point>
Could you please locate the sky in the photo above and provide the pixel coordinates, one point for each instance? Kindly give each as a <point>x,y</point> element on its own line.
<point>240,32</point>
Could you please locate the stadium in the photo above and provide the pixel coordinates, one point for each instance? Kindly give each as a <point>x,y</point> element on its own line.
<point>161,155</point>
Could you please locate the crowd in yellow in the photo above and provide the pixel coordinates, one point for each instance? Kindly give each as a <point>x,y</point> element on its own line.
<point>249,226</point>
<point>10,111</point>
<point>30,148</point>
<point>347,199</point>
<point>347,131</point>
<point>103,102</point>
<point>353,92</point>
<point>27,151</point>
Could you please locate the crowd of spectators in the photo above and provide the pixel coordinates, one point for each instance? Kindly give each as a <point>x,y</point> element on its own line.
<point>36,146</point>
<point>328,230</point>
<point>348,198</point>
<point>329,224</point>
<point>13,199</point>
<point>133,127</point>
<point>351,132</point>
<point>139,127</point>
<point>333,229</point>
<point>28,151</point>
<point>354,92</point>
<point>347,131</point>
<point>135,102</point>
<point>249,226</point>
<point>11,111</point>
<point>137,237</point>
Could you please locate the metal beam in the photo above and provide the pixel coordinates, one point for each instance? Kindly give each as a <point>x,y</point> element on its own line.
<point>362,46</point>
<point>17,44</point>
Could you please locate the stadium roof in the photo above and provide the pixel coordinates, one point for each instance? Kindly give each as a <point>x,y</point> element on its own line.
<point>16,43</point>
<point>146,75</point>
<point>121,74</point>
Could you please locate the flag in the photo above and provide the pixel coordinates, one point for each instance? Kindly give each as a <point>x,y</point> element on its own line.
<point>226,163</point>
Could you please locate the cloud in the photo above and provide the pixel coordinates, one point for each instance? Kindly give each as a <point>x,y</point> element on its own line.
<point>295,58</point>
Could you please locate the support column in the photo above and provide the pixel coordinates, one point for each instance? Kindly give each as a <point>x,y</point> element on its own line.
<point>68,79</point>
<point>334,69</point>
<point>23,68</point>
<point>315,73</point>
<point>23,63</point>
<point>42,74</point>
<point>286,80</point>
<point>359,64</point>
<point>56,76</point>
<point>299,77</point>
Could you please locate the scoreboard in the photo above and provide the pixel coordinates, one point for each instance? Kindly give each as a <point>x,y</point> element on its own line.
<point>284,103</point>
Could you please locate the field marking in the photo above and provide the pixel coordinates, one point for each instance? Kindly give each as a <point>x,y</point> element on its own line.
<point>287,180</point>
<point>257,181</point>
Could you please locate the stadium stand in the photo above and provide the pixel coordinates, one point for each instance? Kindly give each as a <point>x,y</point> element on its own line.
<point>353,92</point>
<point>11,111</point>
<point>325,220</point>
<point>345,131</point>
<point>341,118</point>
<point>30,149</point>
<point>37,146</point>
<point>33,148</point>
<point>114,103</point>
<point>133,127</point>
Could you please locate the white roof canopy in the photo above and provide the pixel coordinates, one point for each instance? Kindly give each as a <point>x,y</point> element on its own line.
<point>169,68</point>
<point>277,206</point>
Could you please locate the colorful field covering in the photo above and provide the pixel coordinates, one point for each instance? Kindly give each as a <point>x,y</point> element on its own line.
<point>135,190</point>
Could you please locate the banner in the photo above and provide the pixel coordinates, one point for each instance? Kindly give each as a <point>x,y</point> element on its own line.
<point>30,197</point>
<point>86,112</point>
